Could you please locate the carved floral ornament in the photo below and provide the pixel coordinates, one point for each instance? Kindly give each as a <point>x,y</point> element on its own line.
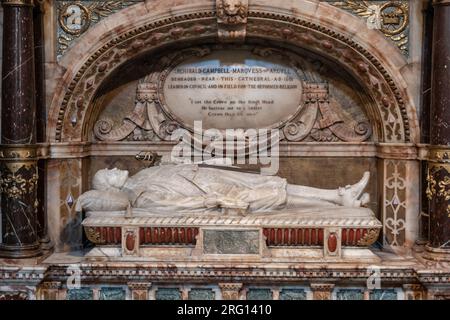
<point>319,116</point>
<point>438,175</point>
<point>76,17</point>
<point>73,119</point>
<point>390,17</point>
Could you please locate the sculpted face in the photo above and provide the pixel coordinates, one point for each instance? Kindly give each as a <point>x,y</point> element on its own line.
<point>117,178</point>
<point>232,7</point>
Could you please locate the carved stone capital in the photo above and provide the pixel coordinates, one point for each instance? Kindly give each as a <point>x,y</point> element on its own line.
<point>230,291</point>
<point>18,3</point>
<point>232,20</point>
<point>414,292</point>
<point>139,290</point>
<point>48,290</point>
<point>16,152</point>
<point>322,291</point>
<point>439,154</point>
<point>441,3</point>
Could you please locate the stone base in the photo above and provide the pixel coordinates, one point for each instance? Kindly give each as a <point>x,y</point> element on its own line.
<point>437,254</point>
<point>322,234</point>
<point>20,252</point>
<point>275,255</point>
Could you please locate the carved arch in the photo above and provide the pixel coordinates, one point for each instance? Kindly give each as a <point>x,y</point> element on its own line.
<point>70,112</point>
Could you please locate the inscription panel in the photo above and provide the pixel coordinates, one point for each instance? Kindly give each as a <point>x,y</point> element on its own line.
<point>233,89</point>
<point>231,241</point>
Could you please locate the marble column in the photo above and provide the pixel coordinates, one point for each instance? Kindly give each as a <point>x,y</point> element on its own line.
<point>19,173</point>
<point>438,190</point>
<point>41,121</point>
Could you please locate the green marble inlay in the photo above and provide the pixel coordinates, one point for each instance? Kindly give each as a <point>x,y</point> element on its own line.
<point>201,294</point>
<point>168,294</point>
<point>231,241</point>
<point>350,294</point>
<point>80,294</point>
<point>112,294</point>
<point>259,294</point>
<point>292,294</point>
<point>380,294</point>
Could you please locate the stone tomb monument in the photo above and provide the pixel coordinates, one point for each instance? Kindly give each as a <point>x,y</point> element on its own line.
<point>195,211</point>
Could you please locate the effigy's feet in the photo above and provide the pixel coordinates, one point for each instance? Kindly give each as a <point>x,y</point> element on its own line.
<point>351,194</point>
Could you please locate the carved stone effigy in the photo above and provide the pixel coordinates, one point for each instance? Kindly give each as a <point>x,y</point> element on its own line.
<point>218,213</point>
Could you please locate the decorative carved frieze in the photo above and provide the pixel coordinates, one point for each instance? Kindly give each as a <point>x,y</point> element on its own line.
<point>390,17</point>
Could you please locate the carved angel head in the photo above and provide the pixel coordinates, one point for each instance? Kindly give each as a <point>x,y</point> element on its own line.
<point>107,179</point>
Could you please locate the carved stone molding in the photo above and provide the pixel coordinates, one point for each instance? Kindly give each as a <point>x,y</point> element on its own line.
<point>72,115</point>
<point>232,20</point>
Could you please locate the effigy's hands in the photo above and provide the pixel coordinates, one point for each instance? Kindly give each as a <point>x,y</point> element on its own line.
<point>219,201</point>
<point>211,201</point>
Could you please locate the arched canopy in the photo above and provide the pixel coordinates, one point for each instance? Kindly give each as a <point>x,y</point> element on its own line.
<point>310,24</point>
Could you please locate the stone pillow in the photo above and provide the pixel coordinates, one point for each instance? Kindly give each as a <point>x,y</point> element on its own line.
<point>96,200</point>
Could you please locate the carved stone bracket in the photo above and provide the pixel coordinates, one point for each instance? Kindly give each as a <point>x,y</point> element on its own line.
<point>232,20</point>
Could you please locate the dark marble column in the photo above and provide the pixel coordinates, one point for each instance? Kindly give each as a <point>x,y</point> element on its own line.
<point>19,173</point>
<point>41,120</point>
<point>424,221</point>
<point>438,190</point>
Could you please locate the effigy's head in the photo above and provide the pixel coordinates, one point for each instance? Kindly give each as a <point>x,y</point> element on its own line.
<point>106,179</point>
